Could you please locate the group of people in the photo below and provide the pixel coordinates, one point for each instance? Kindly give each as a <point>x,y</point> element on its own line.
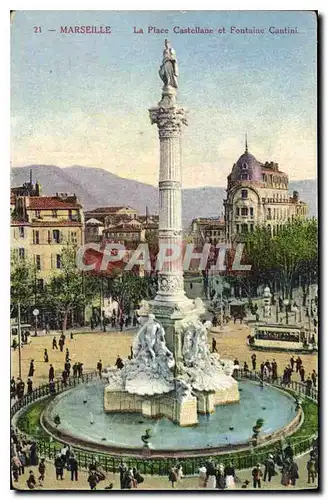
<point>17,388</point>
<point>217,476</point>
<point>129,477</point>
<point>23,453</point>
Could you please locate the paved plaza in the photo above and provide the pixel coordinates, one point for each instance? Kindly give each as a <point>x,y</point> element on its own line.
<point>88,348</point>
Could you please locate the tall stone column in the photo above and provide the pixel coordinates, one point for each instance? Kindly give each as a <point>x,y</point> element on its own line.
<point>170,120</point>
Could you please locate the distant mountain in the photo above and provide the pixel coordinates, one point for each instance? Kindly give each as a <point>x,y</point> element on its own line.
<point>96,187</point>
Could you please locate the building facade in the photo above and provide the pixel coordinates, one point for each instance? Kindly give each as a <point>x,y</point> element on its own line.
<point>122,225</point>
<point>41,226</point>
<point>208,230</point>
<point>257,194</point>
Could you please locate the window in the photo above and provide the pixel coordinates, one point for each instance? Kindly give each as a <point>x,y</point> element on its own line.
<point>70,215</point>
<point>74,236</point>
<point>251,211</point>
<point>40,284</point>
<point>56,235</point>
<point>38,214</point>
<point>244,193</point>
<point>54,214</point>
<point>21,232</point>
<point>237,211</point>
<point>244,211</point>
<point>36,237</point>
<point>244,228</point>
<point>237,228</point>
<point>244,177</point>
<point>252,228</point>
<point>38,262</point>
<point>21,253</point>
<point>58,261</point>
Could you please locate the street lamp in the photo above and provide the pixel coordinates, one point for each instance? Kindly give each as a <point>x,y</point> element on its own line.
<point>286,304</point>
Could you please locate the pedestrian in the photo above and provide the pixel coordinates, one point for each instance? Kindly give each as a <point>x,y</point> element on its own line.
<point>311,469</point>
<point>20,387</point>
<point>274,370</point>
<point>292,362</point>
<point>298,364</point>
<point>202,477</point>
<point>302,373</point>
<point>99,367</point>
<point>314,378</point>
<point>15,470</point>
<point>42,471</point>
<point>131,352</point>
<point>12,388</point>
<point>59,467</point>
<point>54,343</point>
<point>210,475</point>
<point>92,480</point>
<point>269,470</point>
<point>45,356</point>
<point>262,369</point>
<point>246,369</point>
<point>32,369</point>
<point>253,358</point>
<point>67,358</point>
<point>73,467</point>
<point>80,369</point>
<point>122,469</point>
<point>257,474</point>
<point>14,345</point>
<point>61,344</point>
<point>308,386</point>
<point>173,476</point>
<point>121,323</point>
<point>31,482</point>
<point>285,473</point>
<point>220,479</point>
<point>229,474</point>
<point>29,384</point>
<point>119,363</point>
<point>293,473</point>
<point>67,368</point>
<point>214,349</point>
<point>51,373</point>
<point>64,378</point>
<point>140,479</point>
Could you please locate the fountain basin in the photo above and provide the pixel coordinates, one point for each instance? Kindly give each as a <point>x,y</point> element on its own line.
<point>229,427</point>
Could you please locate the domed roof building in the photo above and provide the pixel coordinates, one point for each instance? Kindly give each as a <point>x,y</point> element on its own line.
<point>257,193</point>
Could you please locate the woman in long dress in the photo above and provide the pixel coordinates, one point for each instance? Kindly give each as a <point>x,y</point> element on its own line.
<point>169,68</point>
<point>229,473</point>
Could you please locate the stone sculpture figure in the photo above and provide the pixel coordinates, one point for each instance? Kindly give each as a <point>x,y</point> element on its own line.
<point>169,68</point>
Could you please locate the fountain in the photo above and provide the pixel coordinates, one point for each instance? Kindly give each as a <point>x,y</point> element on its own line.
<point>173,395</point>
<point>172,372</point>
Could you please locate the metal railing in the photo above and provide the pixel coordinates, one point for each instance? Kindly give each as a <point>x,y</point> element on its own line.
<point>161,466</point>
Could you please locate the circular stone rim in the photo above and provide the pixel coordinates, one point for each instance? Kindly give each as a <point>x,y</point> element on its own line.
<point>91,446</point>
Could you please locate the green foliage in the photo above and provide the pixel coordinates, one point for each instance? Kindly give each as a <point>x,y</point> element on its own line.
<point>128,289</point>
<point>69,289</point>
<point>23,275</point>
<point>292,252</point>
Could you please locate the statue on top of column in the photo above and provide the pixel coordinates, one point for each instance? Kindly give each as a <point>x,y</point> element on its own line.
<point>169,68</point>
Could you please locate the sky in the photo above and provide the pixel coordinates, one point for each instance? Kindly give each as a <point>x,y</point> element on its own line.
<point>83,99</point>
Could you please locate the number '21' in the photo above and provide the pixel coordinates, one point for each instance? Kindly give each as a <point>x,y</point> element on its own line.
<point>37,29</point>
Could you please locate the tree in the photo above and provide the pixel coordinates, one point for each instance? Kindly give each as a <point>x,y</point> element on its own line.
<point>128,289</point>
<point>284,256</point>
<point>69,290</point>
<point>22,283</point>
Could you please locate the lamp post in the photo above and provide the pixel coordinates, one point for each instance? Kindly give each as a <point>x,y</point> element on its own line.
<point>19,339</point>
<point>286,304</point>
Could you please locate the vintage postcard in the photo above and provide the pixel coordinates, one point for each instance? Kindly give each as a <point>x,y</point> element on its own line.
<point>164,250</point>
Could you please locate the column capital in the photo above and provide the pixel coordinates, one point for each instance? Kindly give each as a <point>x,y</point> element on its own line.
<point>169,120</point>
